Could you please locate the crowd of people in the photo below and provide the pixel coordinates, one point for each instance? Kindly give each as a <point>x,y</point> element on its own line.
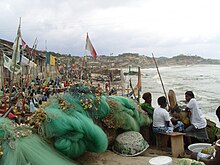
<point>25,99</point>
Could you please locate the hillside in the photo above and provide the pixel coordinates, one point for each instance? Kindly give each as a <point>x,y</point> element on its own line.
<point>143,61</point>
<point>122,60</point>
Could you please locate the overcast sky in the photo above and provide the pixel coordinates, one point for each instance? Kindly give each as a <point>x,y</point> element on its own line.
<point>163,27</point>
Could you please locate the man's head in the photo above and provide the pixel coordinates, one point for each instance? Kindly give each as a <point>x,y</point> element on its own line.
<point>162,101</point>
<point>189,95</point>
<point>147,97</point>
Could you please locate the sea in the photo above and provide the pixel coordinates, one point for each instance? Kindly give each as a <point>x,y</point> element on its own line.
<point>203,80</point>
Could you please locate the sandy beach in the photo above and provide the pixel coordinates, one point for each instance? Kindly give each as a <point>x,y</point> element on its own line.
<point>111,158</point>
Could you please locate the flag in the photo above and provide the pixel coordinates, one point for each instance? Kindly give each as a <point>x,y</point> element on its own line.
<point>47,58</point>
<point>25,46</point>
<point>89,47</point>
<point>8,63</point>
<point>137,88</point>
<point>25,61</point>
<point>52,60</point>
<point>16,46</point>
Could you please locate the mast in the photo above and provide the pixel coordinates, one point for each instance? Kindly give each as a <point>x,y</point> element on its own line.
<point>14,57</point>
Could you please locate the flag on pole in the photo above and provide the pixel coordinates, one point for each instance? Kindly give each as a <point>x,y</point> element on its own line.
<point>137,88</point>
<point>50,59</point>
<point>47,58</point>
<point>25,46</point>
<point>25,61</point>
<point>16,46</point>
<point>8,63</point>
<point>89,47</point>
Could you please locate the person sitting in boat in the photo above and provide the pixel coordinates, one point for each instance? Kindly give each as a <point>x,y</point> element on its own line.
<point>146,106</point>
<point>198,123</point>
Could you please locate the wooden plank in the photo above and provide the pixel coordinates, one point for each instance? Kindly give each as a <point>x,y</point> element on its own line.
<point>174,134</point>
<point>177,143</point>
<point>177,146</point>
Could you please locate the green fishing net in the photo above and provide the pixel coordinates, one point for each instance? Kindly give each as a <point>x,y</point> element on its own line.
<point>127,114</point>
<point>76,122</point>
<point>73,132</point>
<point>21,147</point>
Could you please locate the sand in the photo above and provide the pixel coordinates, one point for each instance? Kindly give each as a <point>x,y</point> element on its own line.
<point>111,158</point>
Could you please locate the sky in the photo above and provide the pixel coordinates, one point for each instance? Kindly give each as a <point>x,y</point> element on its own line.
<point>164,27</point>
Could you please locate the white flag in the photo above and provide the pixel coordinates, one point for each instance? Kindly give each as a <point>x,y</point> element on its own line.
<point>90,47</point>
<point>16,46</point>
<point>10,66</point>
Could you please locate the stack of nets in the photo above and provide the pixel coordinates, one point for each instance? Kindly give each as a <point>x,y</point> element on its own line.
<point>22,147</point>
<point>77,121</point>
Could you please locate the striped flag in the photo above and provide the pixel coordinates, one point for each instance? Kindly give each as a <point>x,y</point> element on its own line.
<point>89,47</point>
<point>50,59</point>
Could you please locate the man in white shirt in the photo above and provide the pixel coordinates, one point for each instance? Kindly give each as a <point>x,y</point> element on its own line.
<point>161,117</point>
<point>197,129</point>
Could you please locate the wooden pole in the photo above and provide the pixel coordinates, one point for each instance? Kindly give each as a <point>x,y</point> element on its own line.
<point>4,81</point>
<point>15,60</point>
<point>132,89</point>
<point>2,70</point>
<point>160,78</point>
<point>139,84</point>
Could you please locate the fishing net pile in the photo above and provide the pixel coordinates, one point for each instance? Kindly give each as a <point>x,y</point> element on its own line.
<point>77,121</point>
<point>22,147</point>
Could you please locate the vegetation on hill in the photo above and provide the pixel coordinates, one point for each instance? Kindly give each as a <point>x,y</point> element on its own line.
<point>126,59</point>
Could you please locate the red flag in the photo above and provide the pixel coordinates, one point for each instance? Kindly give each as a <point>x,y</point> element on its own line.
<point>25,46</point>
<point>89,47</point>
